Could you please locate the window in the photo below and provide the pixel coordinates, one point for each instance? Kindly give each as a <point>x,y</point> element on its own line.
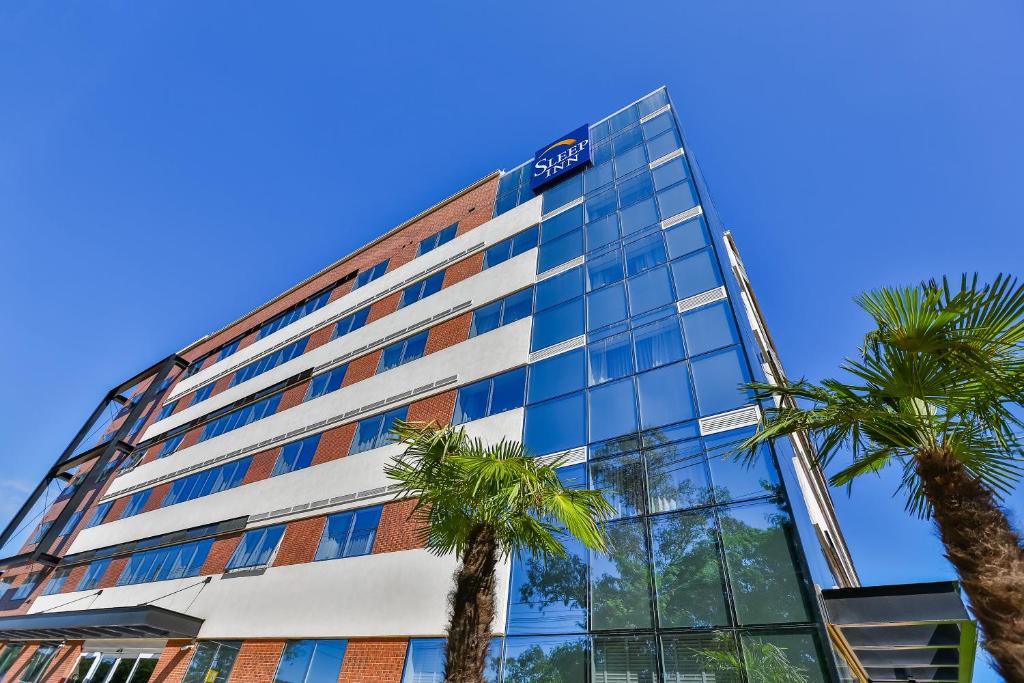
<point>563,192</point>
<point>709,328</point>
<point>212,661</point>
<point>612,410</point>
<point>36,666</point>
<point>609,358</point>
<point>718,380</point>
<point>510,248</point>
<point>437,239</point>
<point>207,482</point>
<point>401,352</point>
<point>10,654</point>
<point>241,417</point>
<point>502,312</point>
<point>556,425</point>
<point>560,288</point>
<point>490,396</point>
<point>326,382</point>
<point>619,581</point>
<point>300,310</point>
<point>270,361</point>
<point>56,582</point>
<point>40,532</point>
<point>311,661</point>
<point>695,273</point>
<point>351,323</point>
<point>72,522</point>
<point>687,570</point>
<point>558,375</point>
<point>677,477</point>
<point>738,479</point>
<point>172,562</point>
<point>665,396</point>
<point>682,659</point>
<point>649,290</point>
<point>171,444</point>
<point>93,575</point>
<point>799,649</point>
<point>374,432</point>
<point>425,661</point>
<point>296,455</point>
<point>27,586</point>
<point>202,393</point>
<point>561,658</point>
<point>628,659</point>
<point>421,289</point>
<point>99,513</point>
<point>229,349</point>
<point>557,324</point>
<point>371,274</point>
<point>658,344</point>
<point>166,411</point>
<point>349,534</point>
<point>136,503</point>
<point>256,548</point>
<point>558,251</point>
<point>606,306</point>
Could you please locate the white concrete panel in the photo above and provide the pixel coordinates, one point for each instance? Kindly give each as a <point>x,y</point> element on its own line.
<point>490,284</point>
<point>508,425</point>
<point>391,594</point>
<point>491,232</point>
<point>472,359</point>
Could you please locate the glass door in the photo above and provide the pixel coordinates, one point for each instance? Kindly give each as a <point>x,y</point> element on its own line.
<point>94,667</point>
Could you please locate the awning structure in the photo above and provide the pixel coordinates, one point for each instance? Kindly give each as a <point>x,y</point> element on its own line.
<point>910,632</point>
<point>113,622</point>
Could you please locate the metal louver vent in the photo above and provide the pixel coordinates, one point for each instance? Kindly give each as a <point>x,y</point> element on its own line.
<point>560,347</point>
<point>680,217</point>
<point>568,265</point>
<point>734,419</point>
<point>702,299</point>
<point>573,456</point>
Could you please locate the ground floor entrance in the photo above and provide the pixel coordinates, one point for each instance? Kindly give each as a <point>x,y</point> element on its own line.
<point>115,662</point>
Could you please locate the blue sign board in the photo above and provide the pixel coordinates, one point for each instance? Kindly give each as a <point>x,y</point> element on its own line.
<point>561,157</point>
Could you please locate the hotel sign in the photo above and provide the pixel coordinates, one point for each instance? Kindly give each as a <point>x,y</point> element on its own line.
<point>563,156</point>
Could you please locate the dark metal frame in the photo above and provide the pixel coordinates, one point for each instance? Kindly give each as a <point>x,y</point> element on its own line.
<point>101,453</point>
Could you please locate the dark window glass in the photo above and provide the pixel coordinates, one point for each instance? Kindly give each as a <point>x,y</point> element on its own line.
<point>799,650</point>
<point>665,396</point>
<point>557,658</point>
<point>326,382</point>
<point>256,547</point>
<point>56,582</point>
<point>351,323</point>
<point>471,403</point>
<point>212,661</point>
<point>709,328</point>
<point>173,562</point>
<point>718,381</point>
<point>207,482</point>
<point>758,548</point>
<point>658,344</point>
<point>557,324</point>
<point>683,659</point>
<point>555,425</point>
<point>677,477</point>
<point>402,352</point>
<point>270,361</point>
<point>562,193</point>
<point>609,358</point>
<point>524,241</point>
<point>166,411</point>
<point>37,664</point>
<point>294,313</point>
<point>437,239</point>
<point>171,445</point>
<point>559,251</point>
<point>93,575</point>
<point>27,586</point>
<point>649,290</point>
<point>422,289</point>
<point>229,349</point>
<point>620,585</point>
<point>502,312</point>
<point>490,396</point>
<point>9,655</point>
<point>612,410</point>
<point>241,417</point>
<point>349,534</point>
<point>695,274</point>
<point>549,595</point>
<point>296,455</point>
<point>606,306</point>
<point>374,432</point>
<point>687,571</point>
<point>371,274</point>
<point>622,480</point>
<point>561,374</point>
<point>72,522</point>
<point>560,288</point>
<point>486,318</point>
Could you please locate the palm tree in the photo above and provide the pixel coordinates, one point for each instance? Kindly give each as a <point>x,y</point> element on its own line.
<point>937,389</point>
<point>485,503</point>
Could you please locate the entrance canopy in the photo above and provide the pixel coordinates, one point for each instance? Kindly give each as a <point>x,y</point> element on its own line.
<point>909,632</point>
<point>113,622</point>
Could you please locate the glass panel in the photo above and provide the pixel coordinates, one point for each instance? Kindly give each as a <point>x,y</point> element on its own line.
<point>559,251</point>
<point>620,580</point>
<point>677,199</point>
<point>695,274</point>
<point>687,571</point>
<point>649,290</point>
<point>143,670</point>
<point>556,425</point>
<point>709,328</point>
<point>364,531</point>
<point>425,661</point>
<point>662,145</point>
<point>645,253</point>
<point>557,375</point>
<point>103,668</point>
<point>677,477</point>
<point>517,306</point>
<point>557,324</point>
<point>636,188</point>
<point>659,124</point>
<point>718,381</point>
<point>630,138</point>
<point>624,660</point>
<point>524,241</point>
<point>652,103</point>
<point>610,358</point>
<point>549,595</point>
<point>563,192</point>
<point>621,478</point>
<point>499,253</point>
<point>606,306</point>
<point>630,161</point>
<point>471,403</point>
<point>612,410</point>
<point>602,232</point>
<point>604,269</point>
<point>545,660</point>
<point>121,671</point>
<point>561,224</point>
<point>598,176</point>
<point>601,205</point>
<point>366,434</point>
<point>699,658</point>
<point>560,288</point>
<point>670,173</point>
<point>658,344</point>
<point>85,663</point>
<point>665,396</point>
<point>486,318</point>
<point>762,654</point>
<point>765,581</point>
<point>736,476</point>
<point>507,392</point>
<point>638,216</point>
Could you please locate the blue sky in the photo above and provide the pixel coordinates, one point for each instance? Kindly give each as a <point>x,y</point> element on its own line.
<point>165,167</point>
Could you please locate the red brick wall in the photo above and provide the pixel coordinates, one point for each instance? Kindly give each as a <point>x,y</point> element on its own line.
<point>63,663</point>
<point>467,267</point>
<point>74,578</point>
<point>374,661</point>
<point>173,662</point>
<point>18,668</point>
<point>300,541</point>
<point>293,396</point>
<point>449,333</point>
<point>117,508</point>
<point>157,497</point>
<point>398,529</point>
<point>334,444</point>
<point>220,553</point>
<point>385,306</point>
<point>191,438</point>
<point>320,337</point>
<point>437,408</point>
<point>257,661</point>
<point>261,466</point>
<point>362,368</point>
<point>113,572</point>
<point>222,384</point>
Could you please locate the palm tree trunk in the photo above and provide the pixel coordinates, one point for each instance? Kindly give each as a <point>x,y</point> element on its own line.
<point>986,552</point>
<point>469,631</point>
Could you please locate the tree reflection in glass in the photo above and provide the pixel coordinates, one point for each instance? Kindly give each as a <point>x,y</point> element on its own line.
<point>620,581</point>
<point>688,574</point>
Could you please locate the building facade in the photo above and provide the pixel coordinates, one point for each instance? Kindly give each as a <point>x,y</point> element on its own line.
<point>224,515</point>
